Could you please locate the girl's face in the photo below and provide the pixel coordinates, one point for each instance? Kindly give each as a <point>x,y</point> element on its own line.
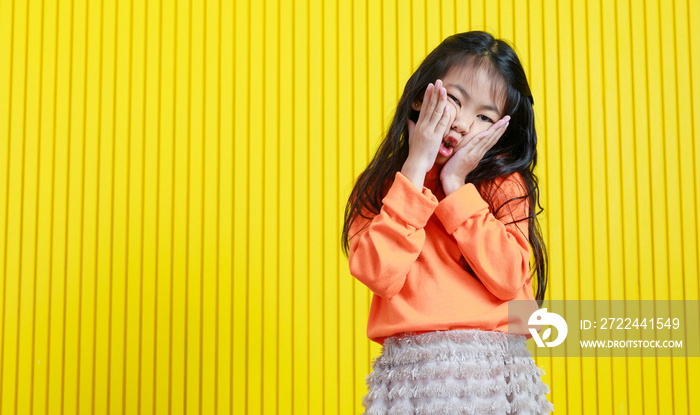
<point>474,108</point>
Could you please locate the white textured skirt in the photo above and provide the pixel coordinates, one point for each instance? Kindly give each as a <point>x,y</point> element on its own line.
<point>456,372</point>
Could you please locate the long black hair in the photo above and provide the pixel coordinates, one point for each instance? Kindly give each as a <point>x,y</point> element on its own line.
<point>515,151</point>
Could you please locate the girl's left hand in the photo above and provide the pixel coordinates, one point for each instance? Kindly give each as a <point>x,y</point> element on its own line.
<point>468,157</point>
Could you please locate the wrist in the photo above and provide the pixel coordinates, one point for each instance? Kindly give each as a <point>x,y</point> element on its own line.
<point>451,183</point>
<point>418,163</point>
<point>415,171</point>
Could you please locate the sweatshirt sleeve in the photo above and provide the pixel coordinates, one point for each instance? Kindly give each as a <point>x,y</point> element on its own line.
<point>383,248</point>
<point>498,253</point>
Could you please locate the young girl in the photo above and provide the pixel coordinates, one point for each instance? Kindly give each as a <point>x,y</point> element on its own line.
<point>440,227</point>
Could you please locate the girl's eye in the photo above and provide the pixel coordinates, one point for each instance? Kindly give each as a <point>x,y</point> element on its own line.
<point>485,118</point>
<point>454,99</point>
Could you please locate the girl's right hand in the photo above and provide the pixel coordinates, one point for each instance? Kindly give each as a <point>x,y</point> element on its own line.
<point>426,134</point>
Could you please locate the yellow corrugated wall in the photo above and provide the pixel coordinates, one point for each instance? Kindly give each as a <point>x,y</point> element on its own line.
<point>173,177</point>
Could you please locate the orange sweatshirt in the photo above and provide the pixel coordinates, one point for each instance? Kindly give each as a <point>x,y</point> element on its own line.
<point>409,255</point>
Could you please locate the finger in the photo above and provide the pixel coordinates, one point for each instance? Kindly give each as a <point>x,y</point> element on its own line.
<point>439,109</point>
<point>444,122</point>
<point>433,103</point>
<point>481,140</point>
<point>426,100</point>
<point>500,123</point>
<point>490,140</point>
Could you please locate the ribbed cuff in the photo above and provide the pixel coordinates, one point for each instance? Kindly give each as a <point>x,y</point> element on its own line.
<point>405,202</point>
<point>459,206</point>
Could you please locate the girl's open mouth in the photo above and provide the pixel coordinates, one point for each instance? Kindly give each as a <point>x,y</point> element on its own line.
<point>446,148</point>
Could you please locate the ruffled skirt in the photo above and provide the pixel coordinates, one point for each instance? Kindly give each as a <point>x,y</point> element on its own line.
<point>456,372</point>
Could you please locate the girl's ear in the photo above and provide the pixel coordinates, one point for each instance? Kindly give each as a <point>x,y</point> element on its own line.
<point>415,110</point>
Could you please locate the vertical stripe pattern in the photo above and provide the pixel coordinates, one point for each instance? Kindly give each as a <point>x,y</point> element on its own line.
<point>173,177</point>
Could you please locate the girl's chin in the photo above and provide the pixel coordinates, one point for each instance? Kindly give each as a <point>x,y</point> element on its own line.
<point>440,160</point>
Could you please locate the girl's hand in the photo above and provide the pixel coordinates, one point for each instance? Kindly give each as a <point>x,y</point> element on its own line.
<point>425,135</point>
<point>468,157</point>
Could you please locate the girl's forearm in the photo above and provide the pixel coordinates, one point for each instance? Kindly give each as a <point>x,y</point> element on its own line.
<point>414,172</point>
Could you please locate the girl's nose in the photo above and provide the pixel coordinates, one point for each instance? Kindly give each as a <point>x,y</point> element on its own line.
<point>461,124</point>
